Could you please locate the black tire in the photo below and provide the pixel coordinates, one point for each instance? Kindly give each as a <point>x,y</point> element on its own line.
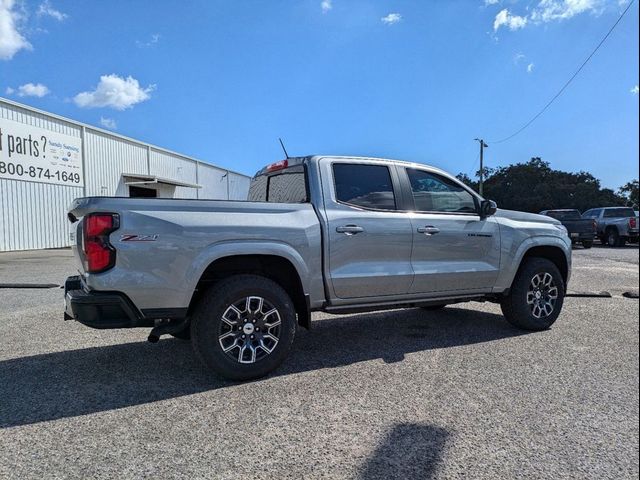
<point>433,308</point>
<point>613,238</point>
<point>587,244</point>
<point>207,326</point>
<point>183,334</point>
<point>515,306</point>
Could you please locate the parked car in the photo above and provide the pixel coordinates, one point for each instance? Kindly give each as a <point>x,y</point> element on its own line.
<point>581,230</point>
<point>615,226</point>
<point>333,234</point>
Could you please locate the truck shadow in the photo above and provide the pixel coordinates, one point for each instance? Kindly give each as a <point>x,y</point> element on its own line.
<point>78,382</point>
<point>409,450</point>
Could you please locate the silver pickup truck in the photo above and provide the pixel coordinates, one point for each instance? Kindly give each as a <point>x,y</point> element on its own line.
<point>333,234</point>
<point>615,226</point>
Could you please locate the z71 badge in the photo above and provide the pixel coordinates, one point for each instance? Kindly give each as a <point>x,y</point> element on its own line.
<point>138,238</point>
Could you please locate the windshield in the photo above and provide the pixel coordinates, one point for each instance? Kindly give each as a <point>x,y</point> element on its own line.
<point>619,212</point>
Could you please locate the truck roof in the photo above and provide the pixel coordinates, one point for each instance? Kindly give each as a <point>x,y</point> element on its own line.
<point>292,161</point>
<point>562,210</point>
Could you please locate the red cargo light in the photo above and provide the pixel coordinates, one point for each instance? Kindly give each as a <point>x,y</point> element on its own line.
<point>278,165</point>
<point>633,223</point>
<point>99,253</point>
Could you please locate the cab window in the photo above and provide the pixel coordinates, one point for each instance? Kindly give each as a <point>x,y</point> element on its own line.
<point>361,185</point>
<point>434,193</point>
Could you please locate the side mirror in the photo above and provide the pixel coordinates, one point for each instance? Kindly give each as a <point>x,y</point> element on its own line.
<point>488,208</point>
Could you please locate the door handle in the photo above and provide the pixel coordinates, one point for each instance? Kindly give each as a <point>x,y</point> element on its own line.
<point>428,230</point>
<point>349,229</point>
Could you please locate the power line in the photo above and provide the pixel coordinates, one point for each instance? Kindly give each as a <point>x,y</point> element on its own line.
<point>568,81</point>
<point>473,166</point>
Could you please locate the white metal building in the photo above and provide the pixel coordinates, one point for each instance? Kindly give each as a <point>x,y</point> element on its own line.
<point>46,161</point>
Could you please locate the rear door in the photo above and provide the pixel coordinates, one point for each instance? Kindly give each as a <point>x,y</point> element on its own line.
<point>369,238</point>
<point>454,249</point>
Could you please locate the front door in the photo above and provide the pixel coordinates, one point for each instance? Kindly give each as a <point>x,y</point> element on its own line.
<point>454,249</point>
<point>369,248</point>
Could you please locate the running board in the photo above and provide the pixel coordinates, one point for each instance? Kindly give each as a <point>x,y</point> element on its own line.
<point>371,307</point>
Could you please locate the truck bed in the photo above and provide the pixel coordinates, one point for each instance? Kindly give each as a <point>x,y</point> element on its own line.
<point>183,237</point>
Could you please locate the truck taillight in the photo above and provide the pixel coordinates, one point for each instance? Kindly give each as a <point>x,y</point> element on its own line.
<point>99,253</point>
<point>278,166</point>
<point>633,223</point>
<point>594,224</point>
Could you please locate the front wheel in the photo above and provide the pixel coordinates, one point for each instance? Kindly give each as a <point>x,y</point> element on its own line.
<point>243,327</point>
<point>536,296</point>
<point>587,244</point>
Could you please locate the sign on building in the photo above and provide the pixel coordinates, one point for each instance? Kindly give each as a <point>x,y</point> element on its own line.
<point>34,154</point>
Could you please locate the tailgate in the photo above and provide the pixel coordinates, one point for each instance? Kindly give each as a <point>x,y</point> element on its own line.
<point>579,226</point>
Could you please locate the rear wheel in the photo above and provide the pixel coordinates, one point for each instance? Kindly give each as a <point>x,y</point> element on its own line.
<point>587,244</point>
<point>243,327</point>
<point>536,296</point>
<point>613,238</point>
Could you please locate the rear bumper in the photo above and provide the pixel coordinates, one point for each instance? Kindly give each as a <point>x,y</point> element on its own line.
<point>100,309</point>
<point>582,237</point>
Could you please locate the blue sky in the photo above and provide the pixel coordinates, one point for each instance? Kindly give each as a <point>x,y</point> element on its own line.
<point>415,80</point>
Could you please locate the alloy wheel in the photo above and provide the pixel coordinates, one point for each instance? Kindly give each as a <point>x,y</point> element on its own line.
<point>250,329</point>
<point>542,295</point>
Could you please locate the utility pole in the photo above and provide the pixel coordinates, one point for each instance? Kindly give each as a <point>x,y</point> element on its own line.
<point>482,147</point>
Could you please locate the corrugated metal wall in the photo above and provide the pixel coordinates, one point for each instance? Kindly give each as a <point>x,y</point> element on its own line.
<point>238,186</point>
<point>167,165</point>
<point>107,158</point>
<point>33,215</point>
<point>214,183</point>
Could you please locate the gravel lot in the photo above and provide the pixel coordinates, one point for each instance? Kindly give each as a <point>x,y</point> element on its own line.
<point>401,394</point>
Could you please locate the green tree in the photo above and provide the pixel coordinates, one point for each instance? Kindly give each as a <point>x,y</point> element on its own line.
<point>534,186</point>
<point>630,193</point>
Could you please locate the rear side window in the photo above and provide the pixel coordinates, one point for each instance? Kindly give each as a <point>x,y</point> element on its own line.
<point>619,212</point>
<point>433,193</point>
<point>564,214</point>
<point>288,186</point>
<point>367,186</point>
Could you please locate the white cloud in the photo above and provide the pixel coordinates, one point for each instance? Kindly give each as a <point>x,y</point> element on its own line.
<point>47,10</point>
<point>11,40</point>
<point>114,92</point>
<point>9,91</point>
<point>635,90</point>
<point>326,5</point>
<point>153,40</point>
<point>491,2</point>
<point>32,90</point>
<point>550,10</point>
<point>108,123</point>
<point>391,19</point>
<point>518,57</point>
<point>512,22</point>
<point>530,67</point>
